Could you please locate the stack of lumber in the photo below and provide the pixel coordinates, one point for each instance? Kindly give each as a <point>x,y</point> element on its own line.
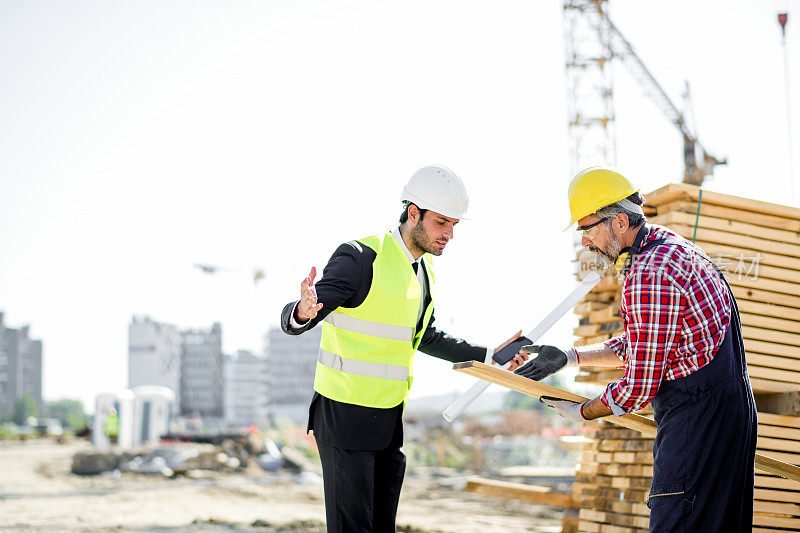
<point>757,247</point>
<point>616,467</point>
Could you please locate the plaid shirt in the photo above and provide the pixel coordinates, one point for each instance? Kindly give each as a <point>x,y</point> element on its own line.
<point>675,311</point>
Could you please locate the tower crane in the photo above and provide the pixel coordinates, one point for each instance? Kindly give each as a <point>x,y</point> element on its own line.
<point>592,41</point>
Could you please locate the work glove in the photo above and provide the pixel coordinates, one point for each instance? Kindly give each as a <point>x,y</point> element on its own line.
<point>566,408</point>
<point>508,352</point>
<point>549,361</point>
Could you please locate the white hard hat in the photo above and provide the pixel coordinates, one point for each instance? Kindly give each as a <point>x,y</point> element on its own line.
<point>439,189</point>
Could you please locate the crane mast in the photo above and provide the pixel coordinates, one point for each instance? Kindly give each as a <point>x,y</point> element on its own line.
<point>592,41</point>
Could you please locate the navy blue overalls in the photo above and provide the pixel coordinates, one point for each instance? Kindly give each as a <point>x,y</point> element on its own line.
<point>704,451</point>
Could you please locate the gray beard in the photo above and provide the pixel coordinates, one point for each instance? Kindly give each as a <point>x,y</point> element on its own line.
<point>610,256</point>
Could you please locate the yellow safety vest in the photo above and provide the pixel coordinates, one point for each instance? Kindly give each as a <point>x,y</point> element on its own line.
<point>365,353</point>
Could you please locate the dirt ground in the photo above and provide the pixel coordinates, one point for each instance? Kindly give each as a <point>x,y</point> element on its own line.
<point>39,494</point>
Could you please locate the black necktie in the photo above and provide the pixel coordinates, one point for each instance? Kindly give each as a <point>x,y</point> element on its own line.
<point>415,266</point>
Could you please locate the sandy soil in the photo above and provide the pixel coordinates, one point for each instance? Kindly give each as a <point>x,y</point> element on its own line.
<point>38,493</point>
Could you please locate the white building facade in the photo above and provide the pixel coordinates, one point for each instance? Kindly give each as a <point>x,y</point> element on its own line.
<point>245,389</point>
<point>291,362</point>
<point>154,355</point>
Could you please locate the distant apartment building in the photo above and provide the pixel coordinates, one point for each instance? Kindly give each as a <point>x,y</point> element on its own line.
<point>245,389</point>
<point>154,355</point>
<point>201,373</point>
<point>291,362</point>
<point>20,368</point>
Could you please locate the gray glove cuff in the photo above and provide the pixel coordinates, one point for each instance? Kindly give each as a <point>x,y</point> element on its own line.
<point>572,357</point>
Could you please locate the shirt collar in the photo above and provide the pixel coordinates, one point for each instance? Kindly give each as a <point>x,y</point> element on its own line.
<point>399,239</point>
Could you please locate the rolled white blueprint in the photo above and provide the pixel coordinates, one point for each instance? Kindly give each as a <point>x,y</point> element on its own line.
<point>583,288</point>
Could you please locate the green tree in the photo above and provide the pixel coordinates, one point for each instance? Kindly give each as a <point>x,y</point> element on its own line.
<point>69,412</point>
<point>24,408</point>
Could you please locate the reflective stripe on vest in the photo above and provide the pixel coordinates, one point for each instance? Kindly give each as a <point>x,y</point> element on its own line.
<point>365,327</point>
<point>363,368</point>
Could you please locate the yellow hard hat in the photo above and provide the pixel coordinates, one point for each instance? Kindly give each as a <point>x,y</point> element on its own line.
<point>595,188</point>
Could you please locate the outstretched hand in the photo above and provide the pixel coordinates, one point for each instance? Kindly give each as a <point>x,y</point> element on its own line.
<point>512,346</point>
<point>548,361</point>
<point>308,307</point>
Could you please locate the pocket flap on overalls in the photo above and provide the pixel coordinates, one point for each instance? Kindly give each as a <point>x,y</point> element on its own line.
<point>665,489</point>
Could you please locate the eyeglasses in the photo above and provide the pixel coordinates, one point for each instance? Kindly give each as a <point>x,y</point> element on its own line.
<point>590,231</point>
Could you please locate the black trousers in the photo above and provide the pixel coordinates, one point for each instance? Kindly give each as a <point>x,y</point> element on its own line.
<point>362,488</point>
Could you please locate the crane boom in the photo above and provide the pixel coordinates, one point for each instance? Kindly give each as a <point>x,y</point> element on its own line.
<point>622,48</point>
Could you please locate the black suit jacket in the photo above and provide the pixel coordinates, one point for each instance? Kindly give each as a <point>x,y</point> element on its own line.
<point>345,282</point>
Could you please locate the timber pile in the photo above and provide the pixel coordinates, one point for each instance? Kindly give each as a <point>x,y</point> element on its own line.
<point>757,247</point>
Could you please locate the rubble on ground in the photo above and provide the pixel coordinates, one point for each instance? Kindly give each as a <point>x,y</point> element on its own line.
<point>190,459</point>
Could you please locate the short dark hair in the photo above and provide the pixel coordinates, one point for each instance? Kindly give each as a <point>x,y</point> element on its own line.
<point>634,219</point>
<point>404,214</point>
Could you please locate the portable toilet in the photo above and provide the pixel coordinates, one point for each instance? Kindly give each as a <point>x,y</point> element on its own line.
<point>152,413</point>
<point>108,405</point>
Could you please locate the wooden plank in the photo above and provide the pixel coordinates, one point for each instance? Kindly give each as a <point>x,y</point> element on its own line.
<point>769,335</point>
<point>609,314</point>
<point>754,244</point>
<point>615,519</point>
<point>637,458</point>
<point>766,322</point>
<point>789,364</point>
<point>596,338</point>
<point>765,385</point>
<point>775,521</point>
<point>776,495</point>
<point>538,389</point>
<point>769,272</point>
<point>770,348</point>
<point>520,491</point>
<point>764,284</point>
<point>758,295</point>
<point>780,433</point>
<point>628,445</point>
<point>601,297</point>
<point>584,308</point>
<point>773,374</point>
<point>706,209</point>
<point>639,483</point>
<point>776,508</point>
<point>785,457</point>
<point>731,251</point>
<point>624,470</point>
<point>779,420</point>
<point>586,331</point>
<point>781,445</point>
<point>639,423</point>
<point>640,509</point>
<point>730,226</point>
<point>769,309</point>
<point>774,482</point>
<point>675,191</point>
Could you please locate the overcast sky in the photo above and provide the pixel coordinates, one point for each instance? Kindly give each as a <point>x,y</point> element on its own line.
<point>139,138</point>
